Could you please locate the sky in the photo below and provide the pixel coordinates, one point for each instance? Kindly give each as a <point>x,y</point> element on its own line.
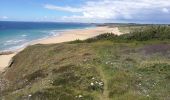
<point>93,11</point>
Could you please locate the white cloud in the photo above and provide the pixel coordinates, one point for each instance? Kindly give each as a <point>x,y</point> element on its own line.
<point>165,10</point>
<point>113,9</point>
<point>70,9</point>
<point>3,17</point>
<point>45,17</point>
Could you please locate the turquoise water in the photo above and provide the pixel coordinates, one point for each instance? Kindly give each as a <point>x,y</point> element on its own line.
<point>15,35</point>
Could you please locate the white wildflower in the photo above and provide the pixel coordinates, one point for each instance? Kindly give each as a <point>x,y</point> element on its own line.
<point>96,82</point>
<point>80,96</point>
<point>101,83</point>
<point>92,84</point>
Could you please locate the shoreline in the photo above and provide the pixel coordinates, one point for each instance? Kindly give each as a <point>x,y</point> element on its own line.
<point>81,34</point>
<point>65,36</point>
<point>57,33</point>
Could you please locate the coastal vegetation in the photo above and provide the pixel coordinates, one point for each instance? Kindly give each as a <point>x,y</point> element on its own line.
<point>136,33</point>
<point>133,66</point>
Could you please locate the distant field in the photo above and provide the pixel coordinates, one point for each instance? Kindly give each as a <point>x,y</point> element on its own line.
<point>106,67</point>
<point>128,29</point>
<point>131,28</point>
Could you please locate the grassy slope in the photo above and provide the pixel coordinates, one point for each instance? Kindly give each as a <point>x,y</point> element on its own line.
<point>129,71</point>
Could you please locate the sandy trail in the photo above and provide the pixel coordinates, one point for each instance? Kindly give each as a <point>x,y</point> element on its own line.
<point>64,37</point>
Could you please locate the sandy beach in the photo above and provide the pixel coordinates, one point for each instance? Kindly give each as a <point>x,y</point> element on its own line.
<point>64,37</point>
<point>79,34</point>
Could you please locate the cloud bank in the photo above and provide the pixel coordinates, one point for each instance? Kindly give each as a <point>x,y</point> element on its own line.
<point>115,10</point>
<point>3,17</point>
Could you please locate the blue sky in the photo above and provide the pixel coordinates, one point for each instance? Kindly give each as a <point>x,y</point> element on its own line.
<point>139,11</point>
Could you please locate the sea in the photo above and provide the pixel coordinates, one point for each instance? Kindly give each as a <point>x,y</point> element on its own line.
<point>16,35</point>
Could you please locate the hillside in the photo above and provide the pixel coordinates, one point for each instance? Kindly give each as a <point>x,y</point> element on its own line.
<point>134,66</point>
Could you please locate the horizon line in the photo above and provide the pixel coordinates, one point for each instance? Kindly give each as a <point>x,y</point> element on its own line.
<point>88,22</point>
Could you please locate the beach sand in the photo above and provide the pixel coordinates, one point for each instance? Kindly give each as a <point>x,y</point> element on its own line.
<point>70,35</point>
<point>80,34</point>
<point>4,60</point>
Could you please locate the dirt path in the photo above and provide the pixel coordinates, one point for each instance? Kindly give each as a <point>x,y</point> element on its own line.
<point>105,94</point>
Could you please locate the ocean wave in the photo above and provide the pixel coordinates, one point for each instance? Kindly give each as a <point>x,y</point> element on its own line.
<point>24,35</point>
<point>12,42</point>
<point>15,48</point>
<point>54,33</point>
